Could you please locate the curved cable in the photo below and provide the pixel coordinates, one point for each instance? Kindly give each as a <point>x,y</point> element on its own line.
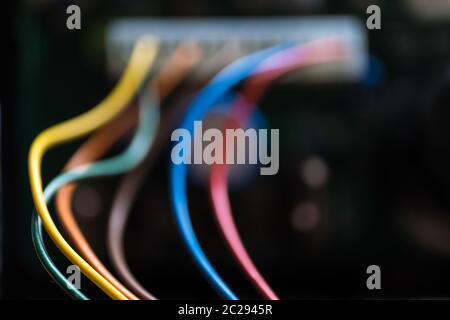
<point>99,140</point>
<point>140,62</point>
<point>166,80</point>
<point>90,151</point>
<point>141,142</point>
<point>204,101</point>
<point>268,71</point>
<point>171,74</point>
<point>130,184</point>
<point>44,258</point>
<point>108,134</point>
<point>175,70</point>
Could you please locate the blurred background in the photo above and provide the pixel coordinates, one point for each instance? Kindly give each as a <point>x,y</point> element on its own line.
<point>364,163</point>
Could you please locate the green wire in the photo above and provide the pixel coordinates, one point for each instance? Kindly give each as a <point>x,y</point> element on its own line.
<point>44,258</point>
<point>127,160</point>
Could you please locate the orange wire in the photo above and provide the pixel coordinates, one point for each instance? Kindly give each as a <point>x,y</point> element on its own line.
<point>91,150</point>
<point>174,71</point>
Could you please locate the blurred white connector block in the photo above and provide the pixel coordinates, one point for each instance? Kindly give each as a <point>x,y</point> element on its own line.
<point>247,35</point>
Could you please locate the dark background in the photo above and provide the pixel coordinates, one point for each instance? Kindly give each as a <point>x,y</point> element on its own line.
<point>384,140</point>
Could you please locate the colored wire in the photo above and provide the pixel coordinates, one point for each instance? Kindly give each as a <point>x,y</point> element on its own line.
<point>44,257</point>
<point>176,69</point>
<point>166,80</point>
<point>124,161</point>
<point>101,141</point>
<point>140,62</point>
<point>131,182</point>
<point>90,151</point>
<point>269,70</point>
<point>204,101</point>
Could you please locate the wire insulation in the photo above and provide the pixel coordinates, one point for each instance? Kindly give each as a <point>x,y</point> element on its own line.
<point>130,183</point>
<point>141,60</point>
<point>148,118</point>
<point>254,88</point>
<point>178,66</point>
<point>90,151</point>
<point>49,266</point>
<point>204,101</point>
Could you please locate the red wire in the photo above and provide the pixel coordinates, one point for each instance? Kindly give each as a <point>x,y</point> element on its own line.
<point>314,52</point>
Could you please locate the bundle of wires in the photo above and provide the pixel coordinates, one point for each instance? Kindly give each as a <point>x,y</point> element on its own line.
<point>322,51</point>
<point>204,101</point>
<point>270,61</point>
<point>129,185</point>
<point>261,68</point>
<point>173,72</point>
<point>141,60</point>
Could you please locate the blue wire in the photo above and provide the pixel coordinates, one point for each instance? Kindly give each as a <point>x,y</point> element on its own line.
<point>256,120</point>
<point>215,90</point>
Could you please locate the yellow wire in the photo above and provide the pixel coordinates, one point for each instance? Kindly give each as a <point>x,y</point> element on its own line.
<point>141,60</point>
